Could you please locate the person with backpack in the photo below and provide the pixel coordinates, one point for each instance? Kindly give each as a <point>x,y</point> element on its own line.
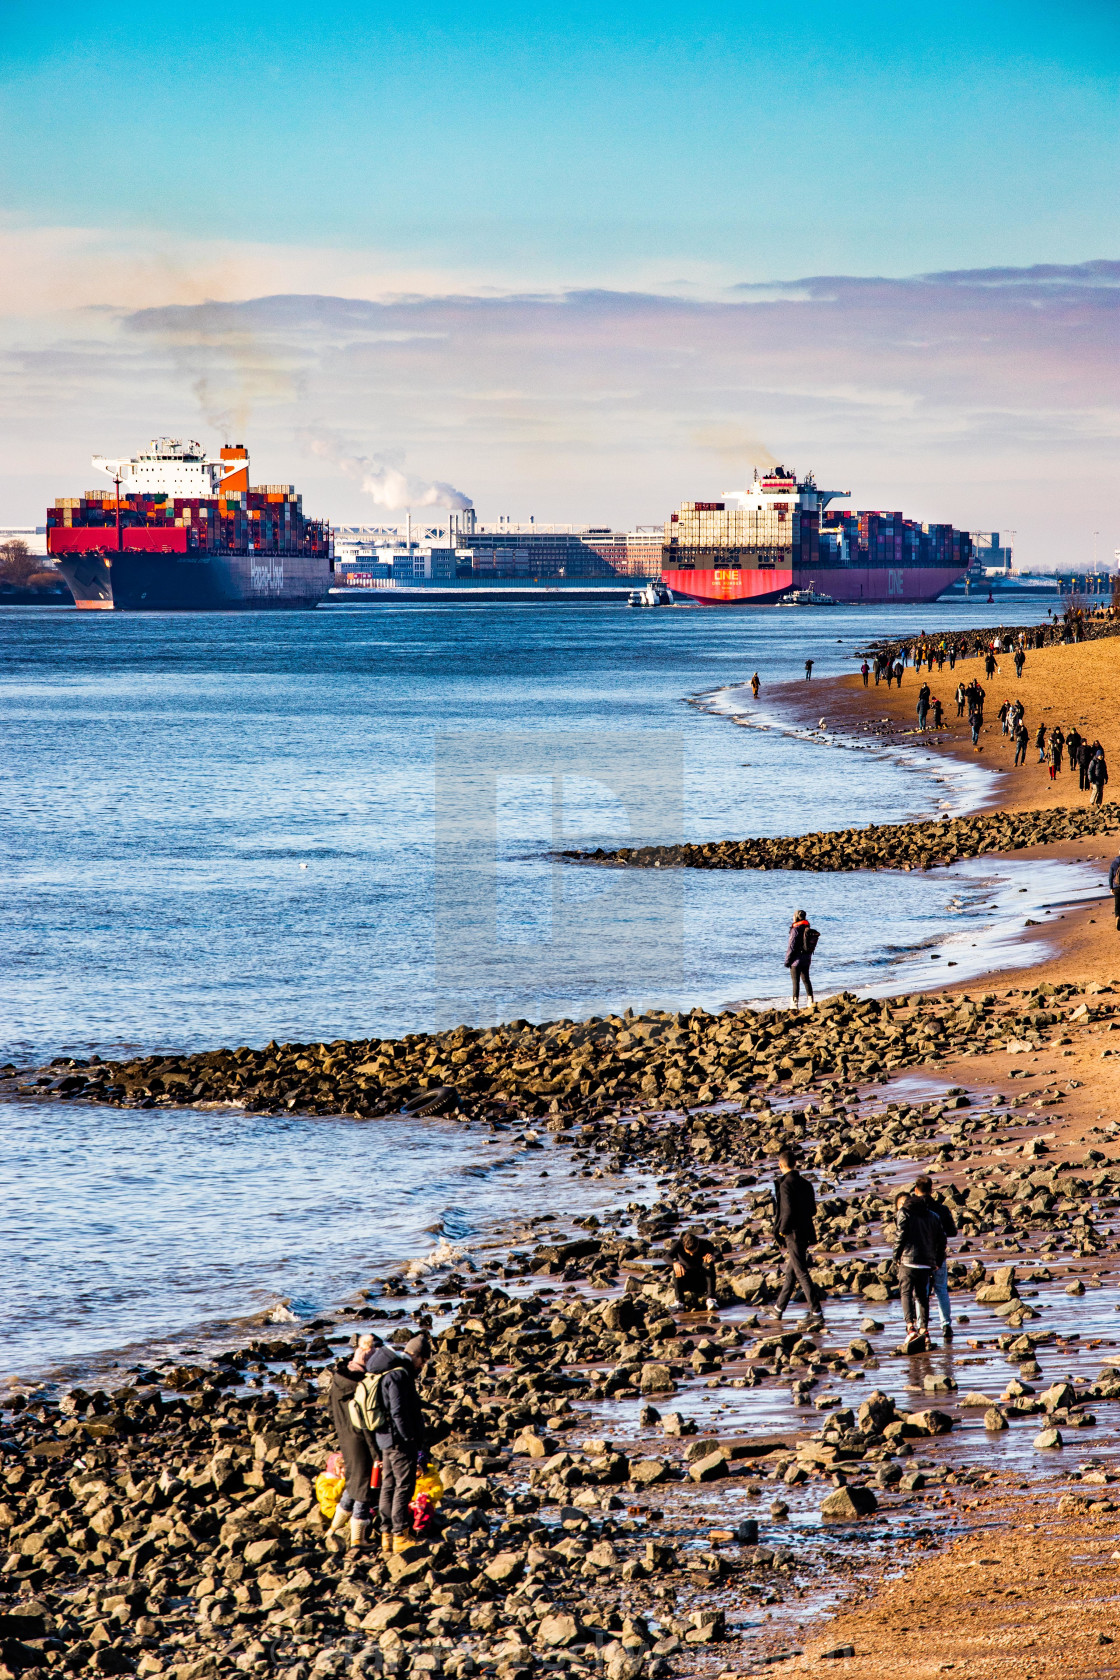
<point>918,1252</point>
<point>357,1453</point>
<point>795,1208</point>
<point>799,955</point>
<point>387,1407</point>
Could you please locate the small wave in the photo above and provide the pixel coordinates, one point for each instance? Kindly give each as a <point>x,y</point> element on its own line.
<point>442,1255</point>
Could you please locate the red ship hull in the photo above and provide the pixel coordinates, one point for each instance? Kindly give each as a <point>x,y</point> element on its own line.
<point>765,586</point>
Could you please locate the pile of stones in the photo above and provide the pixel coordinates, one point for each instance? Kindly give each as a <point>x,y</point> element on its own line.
<point>919,845</point>
<point>567,1069</point>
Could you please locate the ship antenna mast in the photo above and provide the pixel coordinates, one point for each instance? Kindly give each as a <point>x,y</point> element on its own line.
<point>117,486</point>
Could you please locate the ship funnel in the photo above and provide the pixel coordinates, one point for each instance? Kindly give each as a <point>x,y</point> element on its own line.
<point>237,477</point>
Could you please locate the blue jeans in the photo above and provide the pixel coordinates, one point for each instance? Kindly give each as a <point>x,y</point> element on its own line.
<point>941,1290</point>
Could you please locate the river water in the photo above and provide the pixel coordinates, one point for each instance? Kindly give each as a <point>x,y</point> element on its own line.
<point>219,829</point>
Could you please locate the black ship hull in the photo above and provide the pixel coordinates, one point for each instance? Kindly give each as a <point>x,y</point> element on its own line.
<point>134,581</point>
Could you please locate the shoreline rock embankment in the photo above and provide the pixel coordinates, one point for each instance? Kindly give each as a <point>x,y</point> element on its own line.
<point>169,1526</point>
<point>564,1069</point>
<point>917,845</point>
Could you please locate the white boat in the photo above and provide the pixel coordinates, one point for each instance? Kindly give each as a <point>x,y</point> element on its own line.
<point>653,595</point>
<point>810,597</point>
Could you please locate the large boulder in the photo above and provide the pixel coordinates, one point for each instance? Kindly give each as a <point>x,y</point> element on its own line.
<point>848,1504</point>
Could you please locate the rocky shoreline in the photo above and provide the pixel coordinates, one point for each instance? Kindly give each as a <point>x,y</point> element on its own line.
<point>916,845</point>
<point>169,1526</point>
<point>564,1070</point>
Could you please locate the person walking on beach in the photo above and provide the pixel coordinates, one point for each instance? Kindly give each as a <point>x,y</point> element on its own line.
<point>755,685</point>
<point>1097,774</point>
<point>1053,754</point>
<point>1058,742</point>
<point>808,669</point>
<point>1003,714</point>
<point>877,669</point>
<point>1040,743</point>
<point>898,672</point>
<point>401,1441</point>
<point>918,1251</point>
<point>989,664</point>
<point>1073,746</point>
<point>1022,742</point>
<point>353,1507</point>
<point>799,955</point>
<point>938,714</point>
<point>922,707</point>
<point>795,1208</point>
<point>693,1259</point>
<point>1114,888</point>
<point>923,1187</point>
<point>1020,661</point>
<point>865,672</point>
<point>1084,754</point>
<point>961,698</point>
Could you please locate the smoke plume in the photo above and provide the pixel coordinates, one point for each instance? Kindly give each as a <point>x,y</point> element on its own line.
<point>737,445</point>
<point>382,478</point>
<point>231,370</point>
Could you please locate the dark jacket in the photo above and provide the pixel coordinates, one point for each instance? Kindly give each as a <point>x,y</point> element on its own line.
<point>400,1400</point>
<point>343,1383</point>
<point>943,1214</point>
<point>1098,769</point>
<point>794,1207</point>
<point>921,1238</point>
<point>1114,874</point>
<point>705,1254</point>
<point>797,951</point>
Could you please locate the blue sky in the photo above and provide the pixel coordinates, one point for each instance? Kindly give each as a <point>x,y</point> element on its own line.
<point>158,158</point>
<point>773,140</point>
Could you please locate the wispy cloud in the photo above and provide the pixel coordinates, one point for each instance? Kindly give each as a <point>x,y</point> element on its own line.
<point>988,398</point>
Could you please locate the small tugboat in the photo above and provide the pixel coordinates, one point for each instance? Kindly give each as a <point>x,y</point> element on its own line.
<point>810,597</point>
<point>653,595</point>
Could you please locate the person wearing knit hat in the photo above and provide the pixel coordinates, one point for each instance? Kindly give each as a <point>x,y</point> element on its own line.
<point>401,1442</point>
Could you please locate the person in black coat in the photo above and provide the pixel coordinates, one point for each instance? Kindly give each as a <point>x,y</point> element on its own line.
<point>940,1210</point>
<point>357,1454</point>
<point>401,1442</point>
<point>918,1251</point>
<point>799,954</point>
<point>694,1259</point>
<point>795,1208</point>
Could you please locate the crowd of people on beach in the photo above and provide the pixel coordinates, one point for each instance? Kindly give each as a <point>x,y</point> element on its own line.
<point>1055,745</point>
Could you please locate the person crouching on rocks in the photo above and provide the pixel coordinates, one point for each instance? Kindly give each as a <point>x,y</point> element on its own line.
<point>357,1455</point>
<point>918,1252</point>
<point>401,1440</point>
<point>694,1269</point>
<point>799,954</point>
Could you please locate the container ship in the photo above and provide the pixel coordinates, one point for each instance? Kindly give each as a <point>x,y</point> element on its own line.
<point>781,535</point>
<point>180,529</point>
